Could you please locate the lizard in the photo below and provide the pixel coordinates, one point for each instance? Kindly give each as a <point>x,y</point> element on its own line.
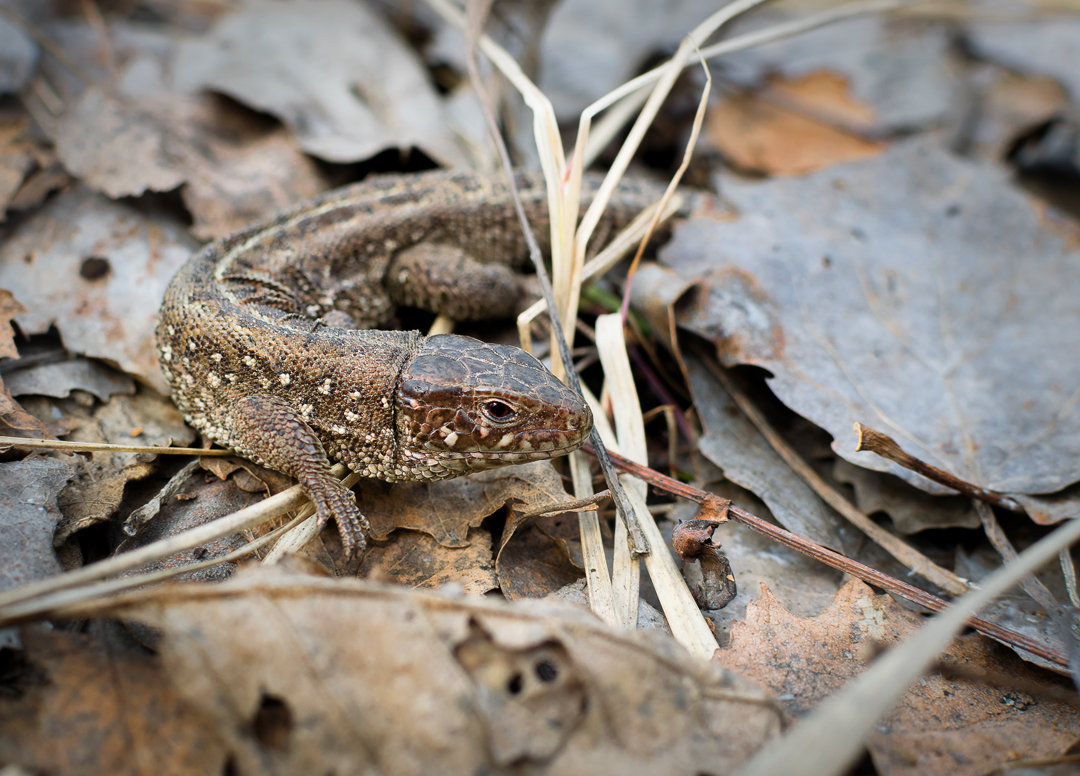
<point>270,344</point>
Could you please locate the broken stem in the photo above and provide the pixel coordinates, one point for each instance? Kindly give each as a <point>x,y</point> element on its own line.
<point>837,561</point>
<point>893,545</point>
<point>872,441</point>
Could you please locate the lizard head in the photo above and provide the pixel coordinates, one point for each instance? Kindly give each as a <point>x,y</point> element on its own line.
<point>463,405</point>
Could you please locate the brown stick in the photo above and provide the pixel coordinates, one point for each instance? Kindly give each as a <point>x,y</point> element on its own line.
<point>837,561</point>
<point>884,445</point>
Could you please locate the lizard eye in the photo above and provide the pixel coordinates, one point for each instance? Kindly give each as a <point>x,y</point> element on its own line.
<point>498,411</point>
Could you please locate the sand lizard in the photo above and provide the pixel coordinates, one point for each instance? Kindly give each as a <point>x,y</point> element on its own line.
<point>266,338</point>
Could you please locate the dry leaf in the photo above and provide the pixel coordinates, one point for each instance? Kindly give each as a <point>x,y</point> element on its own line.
<point>18,157</point>
<point>95,708</point>
<point>331,70</point>
<point>18,57</point>
<point>730,440</point>
<point>96,495</point>
<point>198,499</point>
<point>448,509</point>
<point>144,135</point>
<point>364,678</point>
<point>733,443</point>
<point>1008,106</point>
<point>16,421</point>
<point>250,169</point>
<point>416,560</point>
<point>911,510</point>
<point>914,291</point>
<point>30,515</point>
<point>590,47</point>
<point>539,556</point>
<point>941,725</point>
<point>58,380</point>
<point>1032,46</point>
<point>792,126</point>
<point>122,147</point>
<point>901,69</point>
<point>9,308</point>
<point>97,270</point>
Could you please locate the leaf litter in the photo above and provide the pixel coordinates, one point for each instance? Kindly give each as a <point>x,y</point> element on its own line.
<point>774,279</point>
<point>921,293</point>
<point>369,673</point>
<point>943,724</point>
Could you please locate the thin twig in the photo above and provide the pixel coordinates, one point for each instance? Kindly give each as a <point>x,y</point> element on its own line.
<point>19,600</point>
<point>105,447</point>
<point>1032,586</point>
<point>896,547</point>
<point>837,561</point>
<point>590,504</point>
<point>872,441</point>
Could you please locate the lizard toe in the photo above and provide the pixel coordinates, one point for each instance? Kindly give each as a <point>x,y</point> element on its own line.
<point>340,503</point>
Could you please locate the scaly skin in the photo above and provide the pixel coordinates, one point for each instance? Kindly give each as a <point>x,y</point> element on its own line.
<point>264,339</point>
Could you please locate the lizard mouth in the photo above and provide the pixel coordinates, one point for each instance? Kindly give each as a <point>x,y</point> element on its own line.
<point>525,451</point>
<point>447,462</point>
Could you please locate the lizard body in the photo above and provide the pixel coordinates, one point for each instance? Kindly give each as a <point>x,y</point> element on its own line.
<point>265,338</point>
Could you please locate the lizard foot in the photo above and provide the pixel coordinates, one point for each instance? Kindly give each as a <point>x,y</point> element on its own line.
<point>332,499</point>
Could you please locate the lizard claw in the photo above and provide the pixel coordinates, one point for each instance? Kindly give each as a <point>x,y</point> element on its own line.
<point>336,501</point>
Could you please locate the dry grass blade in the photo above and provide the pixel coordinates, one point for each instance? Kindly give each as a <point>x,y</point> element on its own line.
<point>50,603</point>
<point>563,210</point>
<point>597,579</point>
<point>23,602</point>
<point>622,244</point>
<point>669,192</point>
<point>683,615</point>
<point>629,439</point>
<point>625,569</point>
<point>814,747</point>
<point>103,447</point>
<point>619,384</point>
<point>625,101</point>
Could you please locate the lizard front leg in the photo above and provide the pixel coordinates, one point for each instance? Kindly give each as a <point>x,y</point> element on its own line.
<point>273,433</point>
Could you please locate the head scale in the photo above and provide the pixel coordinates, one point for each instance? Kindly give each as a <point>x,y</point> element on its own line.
<point>463,405</point>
